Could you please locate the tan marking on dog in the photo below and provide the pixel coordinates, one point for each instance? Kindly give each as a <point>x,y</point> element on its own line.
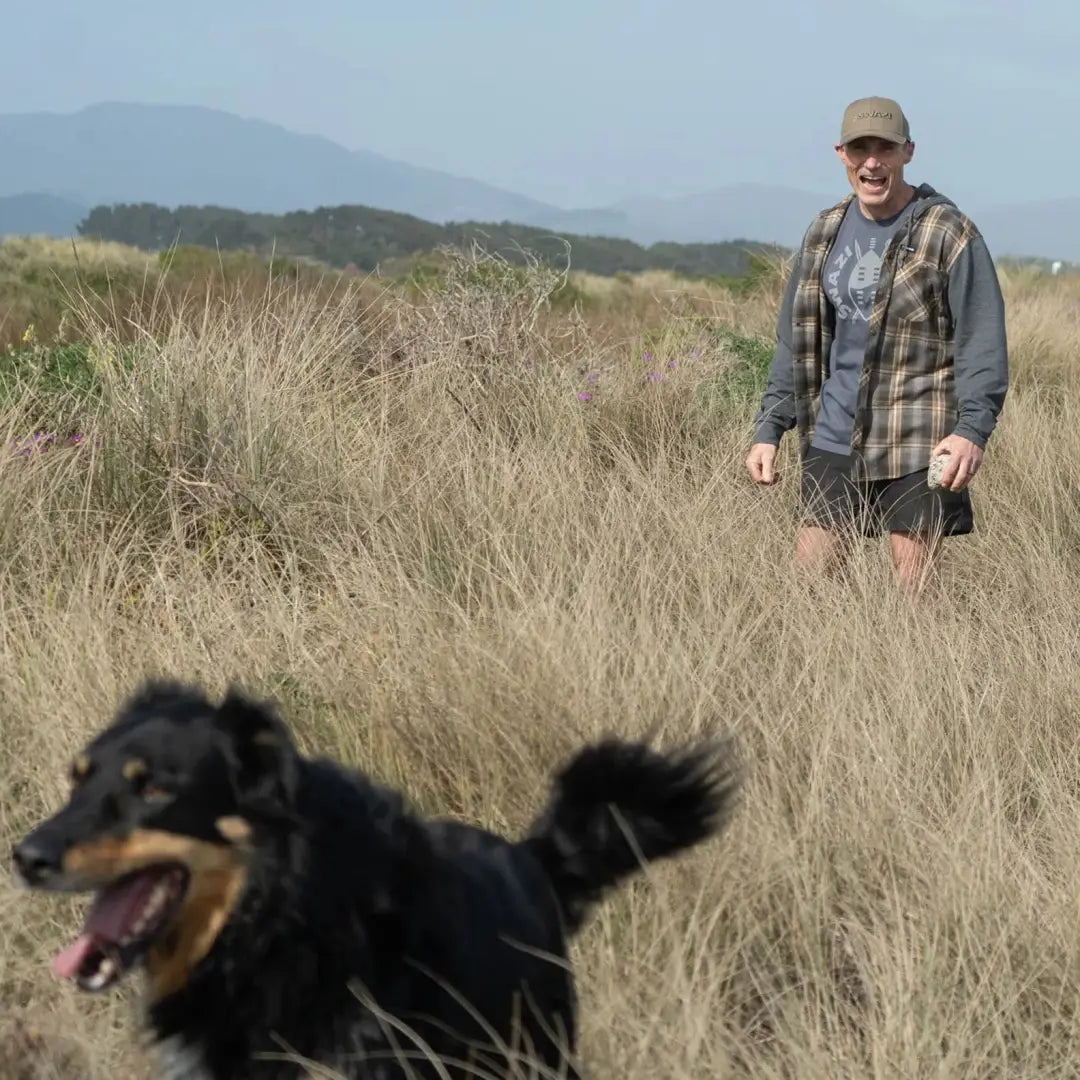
<point>80,767</point>
<point>211,898</point>
<point>218,874</point>
<point>134,769</point>
<point>234,829</point>
<point>99,862</point>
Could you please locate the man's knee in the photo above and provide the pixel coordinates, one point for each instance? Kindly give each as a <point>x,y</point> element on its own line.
<point>818,550</point>
<point>914,556</point>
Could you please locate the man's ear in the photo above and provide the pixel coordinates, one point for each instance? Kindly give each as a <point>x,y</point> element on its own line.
<point>261,753</point>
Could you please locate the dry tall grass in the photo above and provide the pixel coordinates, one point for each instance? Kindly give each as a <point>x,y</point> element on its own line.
<point>402,520</point>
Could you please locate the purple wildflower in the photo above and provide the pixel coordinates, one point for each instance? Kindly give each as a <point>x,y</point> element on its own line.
<point>40,441</point>
<point>584,395</point>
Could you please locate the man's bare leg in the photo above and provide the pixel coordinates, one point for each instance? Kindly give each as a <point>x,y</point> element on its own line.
<point>915,558</point>
<point>819,551</point>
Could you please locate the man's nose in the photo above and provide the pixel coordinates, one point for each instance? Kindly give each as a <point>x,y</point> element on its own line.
<point>37,858</point>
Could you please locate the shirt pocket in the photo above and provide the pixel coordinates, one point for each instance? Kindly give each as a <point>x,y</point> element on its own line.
<point>918,297</point>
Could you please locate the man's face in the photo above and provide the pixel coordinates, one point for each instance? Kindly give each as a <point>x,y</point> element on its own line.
<point>875,170</point>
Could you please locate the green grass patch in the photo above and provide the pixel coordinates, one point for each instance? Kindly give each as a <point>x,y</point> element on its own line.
<point>749,374</point>
<point>48,373</point>
<point>736,390</point>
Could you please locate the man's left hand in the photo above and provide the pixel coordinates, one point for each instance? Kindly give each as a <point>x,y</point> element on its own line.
<point>964,461</point>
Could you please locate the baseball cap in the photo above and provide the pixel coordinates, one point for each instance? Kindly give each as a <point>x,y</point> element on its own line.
<point>876,117</point>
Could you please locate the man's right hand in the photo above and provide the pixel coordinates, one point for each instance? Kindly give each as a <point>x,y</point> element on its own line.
<point>760,462</point>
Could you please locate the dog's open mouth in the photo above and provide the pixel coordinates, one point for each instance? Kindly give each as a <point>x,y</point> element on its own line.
<point>125,919</point>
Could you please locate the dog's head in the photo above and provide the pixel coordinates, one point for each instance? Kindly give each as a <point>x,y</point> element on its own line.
<point>163,819</point>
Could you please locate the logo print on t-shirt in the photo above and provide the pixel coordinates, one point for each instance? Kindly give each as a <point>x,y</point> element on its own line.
<point>862,279</point>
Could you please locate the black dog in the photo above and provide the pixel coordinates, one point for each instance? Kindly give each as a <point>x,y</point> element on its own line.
<point>288,911</point>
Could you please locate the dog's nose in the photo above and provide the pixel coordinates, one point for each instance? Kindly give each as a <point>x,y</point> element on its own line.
<point>36,859</point>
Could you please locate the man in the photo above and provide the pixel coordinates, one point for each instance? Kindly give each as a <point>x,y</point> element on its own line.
<point>891,349</point>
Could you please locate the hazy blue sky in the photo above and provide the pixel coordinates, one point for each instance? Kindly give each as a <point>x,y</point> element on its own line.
<point>583,102</point>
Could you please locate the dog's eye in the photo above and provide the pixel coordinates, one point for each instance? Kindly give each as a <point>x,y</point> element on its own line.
<point>138,773</point>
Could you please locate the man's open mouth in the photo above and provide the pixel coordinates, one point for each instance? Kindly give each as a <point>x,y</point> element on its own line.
<point>875,183</point>
<point>124,921</point>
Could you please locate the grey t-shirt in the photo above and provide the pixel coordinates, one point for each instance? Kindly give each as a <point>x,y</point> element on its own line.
<point>850,281</point>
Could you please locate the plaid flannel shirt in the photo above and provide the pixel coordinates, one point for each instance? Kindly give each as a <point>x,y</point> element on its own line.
<point>907,400</point>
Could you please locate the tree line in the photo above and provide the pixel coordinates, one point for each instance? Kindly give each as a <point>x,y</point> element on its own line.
<point>370,240</point>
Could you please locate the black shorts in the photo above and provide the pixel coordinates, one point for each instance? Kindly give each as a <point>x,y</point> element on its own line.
<point>832,500</point>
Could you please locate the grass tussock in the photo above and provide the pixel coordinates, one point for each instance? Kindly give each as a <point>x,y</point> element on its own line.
<point>459,531</point>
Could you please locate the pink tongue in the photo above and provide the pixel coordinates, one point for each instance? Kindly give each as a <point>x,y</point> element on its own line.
<point>116,908</point>
<point>66,964</point>
<point>112,913</point>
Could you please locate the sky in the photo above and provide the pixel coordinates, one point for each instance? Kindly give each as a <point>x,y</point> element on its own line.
<point>586,102</point>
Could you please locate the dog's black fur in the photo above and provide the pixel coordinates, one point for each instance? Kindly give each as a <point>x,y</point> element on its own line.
<point>360,927</point>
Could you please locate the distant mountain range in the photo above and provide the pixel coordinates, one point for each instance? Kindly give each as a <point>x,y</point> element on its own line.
<point>57,166</point>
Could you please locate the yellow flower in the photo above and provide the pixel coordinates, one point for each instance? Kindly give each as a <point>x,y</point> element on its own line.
<point>101,360</point>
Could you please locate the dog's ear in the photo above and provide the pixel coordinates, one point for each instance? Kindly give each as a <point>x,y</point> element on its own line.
<point>261,753</point>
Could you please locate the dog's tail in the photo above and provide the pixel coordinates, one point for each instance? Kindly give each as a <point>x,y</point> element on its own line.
<point>618,805</point>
